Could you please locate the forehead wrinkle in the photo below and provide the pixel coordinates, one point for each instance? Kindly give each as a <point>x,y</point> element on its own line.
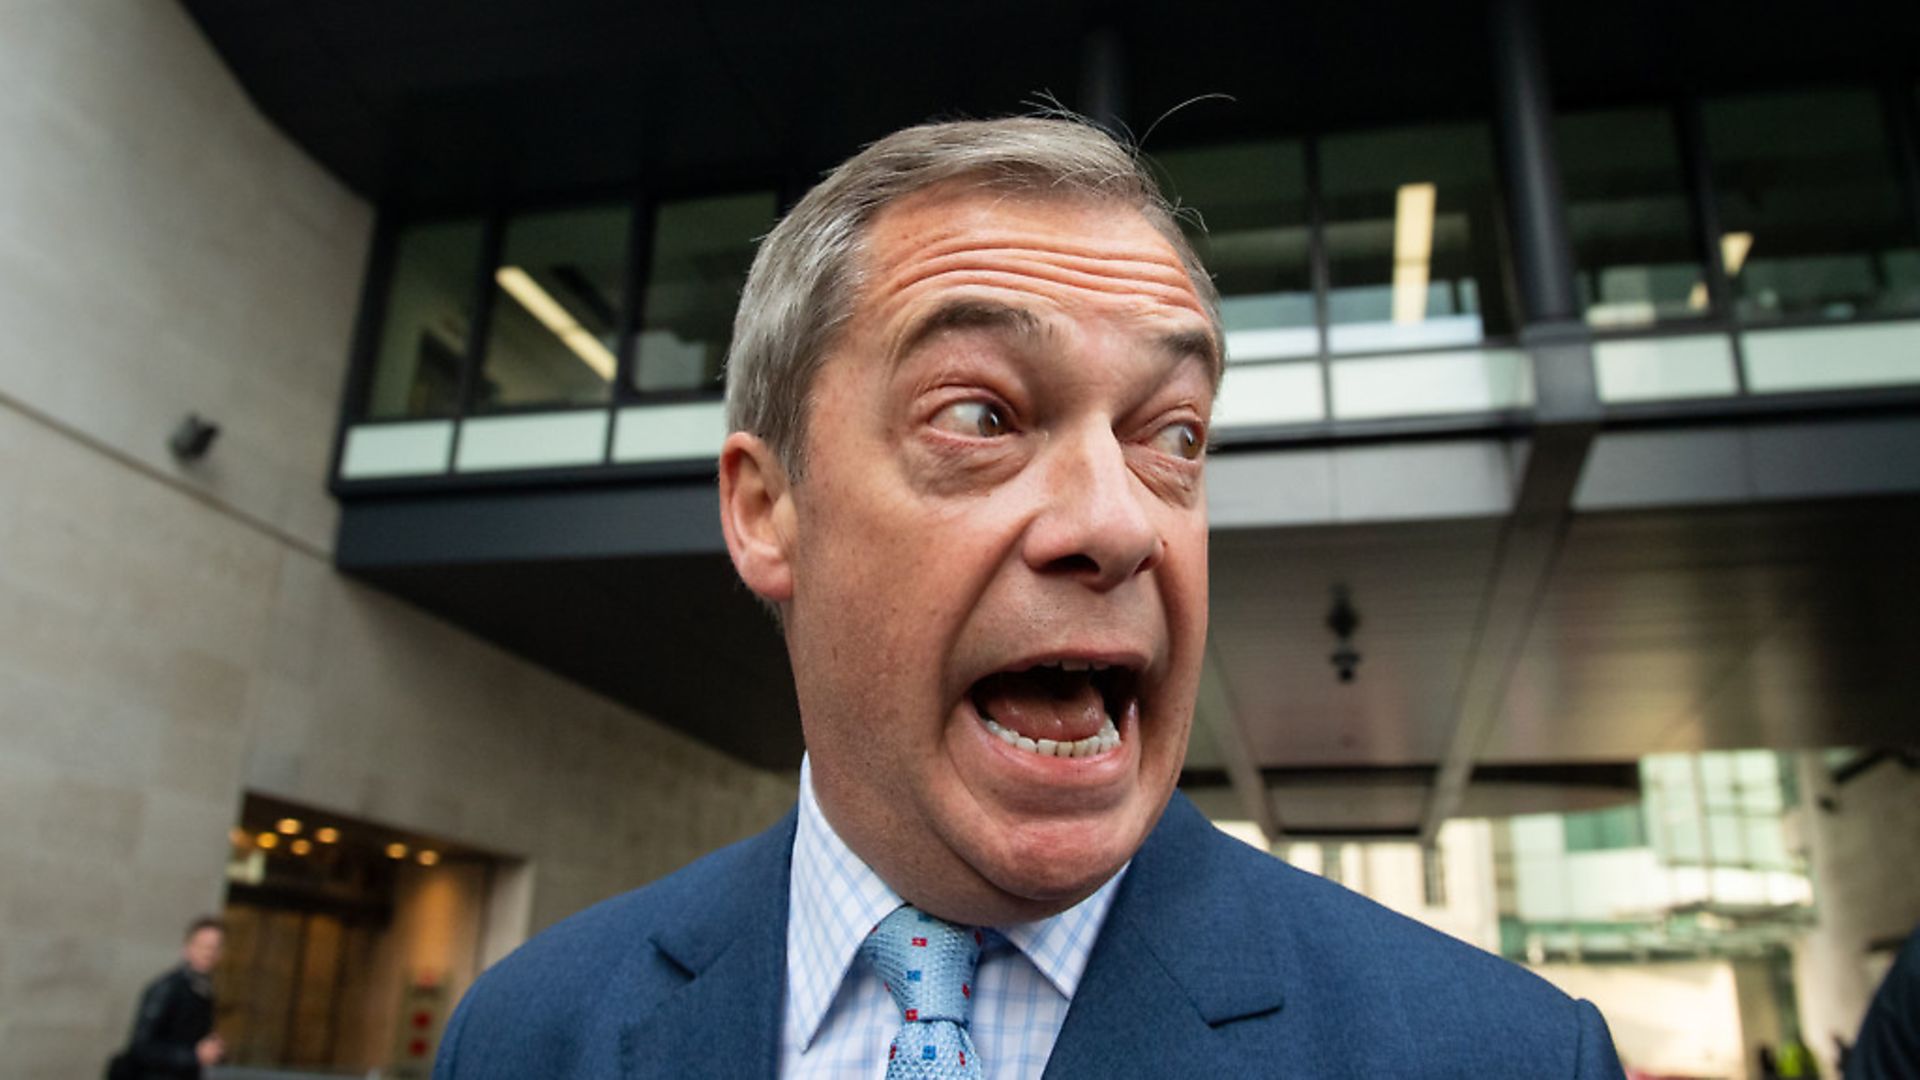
<point>1164,280</point>
<point>965,250</point>
<point>961,240</point>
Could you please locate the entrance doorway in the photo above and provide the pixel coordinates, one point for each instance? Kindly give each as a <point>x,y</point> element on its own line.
<point>347,941</point>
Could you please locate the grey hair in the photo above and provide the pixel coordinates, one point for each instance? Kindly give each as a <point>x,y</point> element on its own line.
<point>800,292</point>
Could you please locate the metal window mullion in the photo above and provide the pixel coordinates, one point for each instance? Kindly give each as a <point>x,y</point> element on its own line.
<point>633,298</point>
<point>356,389</point>
<point>1319,269</point>
<point>1697,165</point>
<point>492,241</point>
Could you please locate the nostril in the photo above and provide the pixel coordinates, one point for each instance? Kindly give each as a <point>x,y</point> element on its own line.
<point>1074,564</point>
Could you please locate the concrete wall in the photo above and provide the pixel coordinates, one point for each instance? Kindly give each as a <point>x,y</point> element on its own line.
<point>171,638</point>
<point>1866,892</point>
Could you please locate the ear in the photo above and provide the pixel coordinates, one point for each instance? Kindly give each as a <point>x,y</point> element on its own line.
<point>757,516</point>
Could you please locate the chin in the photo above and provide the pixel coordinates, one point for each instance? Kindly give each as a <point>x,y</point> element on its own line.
<point>1049,867</point>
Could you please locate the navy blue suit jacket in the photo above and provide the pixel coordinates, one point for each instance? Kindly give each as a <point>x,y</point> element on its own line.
<point>1215,961</point>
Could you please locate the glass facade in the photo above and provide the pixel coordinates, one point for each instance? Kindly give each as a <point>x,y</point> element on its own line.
<point>1413,249</point>
<point>1244,209</point>
<point>553,337</point>
<point>1719,809</point>
<point>1364,276</point>
<point>702,249</point>
<point>1810,209</point>
<point>1636,246</point>
<point>428,318</point>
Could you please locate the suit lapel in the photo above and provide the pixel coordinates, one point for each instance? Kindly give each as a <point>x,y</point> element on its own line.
<point>1176,960</point>
<point>731,948</point>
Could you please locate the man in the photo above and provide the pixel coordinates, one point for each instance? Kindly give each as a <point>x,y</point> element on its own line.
<point>173,1030</point>
<point>969,390</point>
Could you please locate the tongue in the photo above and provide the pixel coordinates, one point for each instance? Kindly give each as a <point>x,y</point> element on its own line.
<point>1043,704</point>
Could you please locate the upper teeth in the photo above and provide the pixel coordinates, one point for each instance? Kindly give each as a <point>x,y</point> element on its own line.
<point>1099,742</point>
<point>1081,665</point>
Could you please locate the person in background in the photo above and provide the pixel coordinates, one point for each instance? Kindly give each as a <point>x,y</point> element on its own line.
<point>173,1030</point>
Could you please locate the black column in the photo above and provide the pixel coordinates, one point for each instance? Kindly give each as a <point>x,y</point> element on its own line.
<point>1103,83</point>
<point>1535,201</point>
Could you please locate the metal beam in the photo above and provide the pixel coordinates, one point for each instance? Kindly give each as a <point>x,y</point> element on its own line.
<point>1567,410</point>
<point>1524,560</point>
<point>1215,708</point>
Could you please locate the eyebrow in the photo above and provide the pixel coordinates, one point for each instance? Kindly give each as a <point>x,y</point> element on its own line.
<point>976,314</point>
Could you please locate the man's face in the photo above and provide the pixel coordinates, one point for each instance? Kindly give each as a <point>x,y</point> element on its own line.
<point>202,949</point>
<point>1003,519</point>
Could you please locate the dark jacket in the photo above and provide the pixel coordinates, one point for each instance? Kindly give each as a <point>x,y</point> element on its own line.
<point>1216,960</point>
<point>1889,1044</point>
<point>176,1012</point>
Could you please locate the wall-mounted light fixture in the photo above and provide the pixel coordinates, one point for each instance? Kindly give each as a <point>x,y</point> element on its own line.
<point>193,438</point>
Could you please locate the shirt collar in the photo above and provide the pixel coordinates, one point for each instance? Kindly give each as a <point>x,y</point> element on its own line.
<point>835,900</point>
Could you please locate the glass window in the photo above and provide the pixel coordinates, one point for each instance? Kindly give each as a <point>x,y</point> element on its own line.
<point>428,315</point>
<point>554,330</point>
<point>1766,843</point>
<point>1412,239</point>
<point>1245,212</point>
<point>1728,839</point>
<point>1809,208</point>
<point>1606,830</point>
<point>1717,782</point>
<point>1680,839</point>
<point>701,251</point>
<point>1635,251</point>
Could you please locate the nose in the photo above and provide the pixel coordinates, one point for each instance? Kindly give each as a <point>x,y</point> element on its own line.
<point>1096,525</point>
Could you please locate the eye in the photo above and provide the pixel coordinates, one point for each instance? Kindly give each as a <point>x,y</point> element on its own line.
<point>1181,439</point>
<point>978,419</point>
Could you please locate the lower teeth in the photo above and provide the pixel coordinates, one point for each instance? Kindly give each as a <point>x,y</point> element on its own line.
<point>1107,738</point>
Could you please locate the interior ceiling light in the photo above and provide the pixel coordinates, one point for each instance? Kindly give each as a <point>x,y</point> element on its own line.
<point>429,858</point>
<point>396,851</point>
<point>1734,247</point>
<point>1412,250</point>
<point>542,306</point>
<point>289,825</point>
<point>301,846</point>
<point>326,834</point>
<point>267,840</point>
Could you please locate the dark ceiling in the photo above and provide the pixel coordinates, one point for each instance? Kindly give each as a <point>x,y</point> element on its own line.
<point>438,105</point>
<point>677,636</point>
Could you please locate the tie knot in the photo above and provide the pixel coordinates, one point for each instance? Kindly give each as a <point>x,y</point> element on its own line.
<point>926,963</point>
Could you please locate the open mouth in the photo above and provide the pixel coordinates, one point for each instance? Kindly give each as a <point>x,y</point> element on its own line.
<point>1067,708</point>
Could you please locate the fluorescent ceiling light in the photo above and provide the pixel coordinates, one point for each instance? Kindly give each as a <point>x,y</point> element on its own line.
<point>1733,251</point>
<point>1412,251</point>
<point>521,286</point>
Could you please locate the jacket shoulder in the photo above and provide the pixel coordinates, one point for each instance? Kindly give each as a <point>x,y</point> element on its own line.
<point>1357,977</point>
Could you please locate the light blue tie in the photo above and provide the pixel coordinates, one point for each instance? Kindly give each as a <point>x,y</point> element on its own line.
<point>927,965</point>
